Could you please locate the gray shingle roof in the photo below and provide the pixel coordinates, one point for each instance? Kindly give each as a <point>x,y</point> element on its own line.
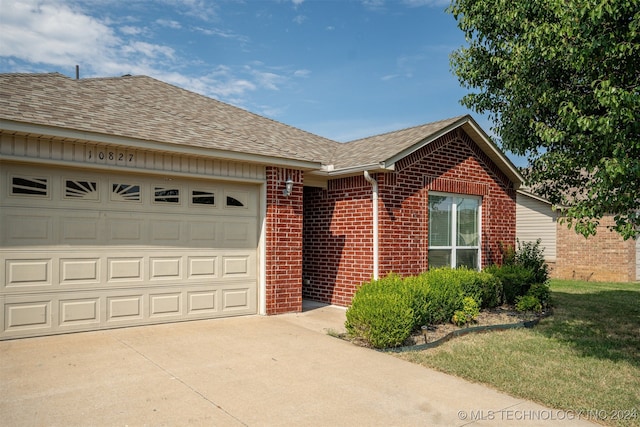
<point>379,148</point>
<point>144,108</point>
<point>141,107</point>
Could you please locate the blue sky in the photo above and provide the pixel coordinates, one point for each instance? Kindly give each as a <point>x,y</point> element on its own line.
<point>343,69</point>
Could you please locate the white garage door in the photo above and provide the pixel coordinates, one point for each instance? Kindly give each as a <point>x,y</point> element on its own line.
<point>87,250</point>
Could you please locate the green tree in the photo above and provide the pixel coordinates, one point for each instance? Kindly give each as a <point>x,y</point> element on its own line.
<point>559,81</point>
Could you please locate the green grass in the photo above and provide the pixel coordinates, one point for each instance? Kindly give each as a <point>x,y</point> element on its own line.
<point>585,357</point>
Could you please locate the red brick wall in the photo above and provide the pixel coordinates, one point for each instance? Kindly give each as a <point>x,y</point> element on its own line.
<point>605,257</point>
<point>338,221</point>
<point>283,242</point>
<point>338,239</point>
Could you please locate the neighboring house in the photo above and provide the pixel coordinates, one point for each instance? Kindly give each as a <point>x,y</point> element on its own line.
<point>603,257</point>
<point>536,219</point>
<point>127,201</point>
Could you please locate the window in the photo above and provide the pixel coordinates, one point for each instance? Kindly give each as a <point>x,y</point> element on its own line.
<point>454,231</point>
<point>125,192</point>
<point>29,186</point>
<point>86,190</point>
<point>233,202</point>
<point>201,197</point>
<point>166,195</point>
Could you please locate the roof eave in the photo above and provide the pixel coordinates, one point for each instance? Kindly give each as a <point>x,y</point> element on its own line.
<point>329,171</point>
<point>37,130</point>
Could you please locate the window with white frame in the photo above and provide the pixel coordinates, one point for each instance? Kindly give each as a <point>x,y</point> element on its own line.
<point>454,231</point>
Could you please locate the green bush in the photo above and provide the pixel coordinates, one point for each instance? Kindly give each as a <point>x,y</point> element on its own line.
<point>542,292</point>
<point>469,312</point>
<point>483,287</point>
<point>516,280</point>
<point>381,319</point>
<point>444,294</point>
<point>384,312</point>
<point>530,255</point>
<point>528,303</point>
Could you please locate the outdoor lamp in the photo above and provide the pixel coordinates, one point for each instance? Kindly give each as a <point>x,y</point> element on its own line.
<point>288,187</point>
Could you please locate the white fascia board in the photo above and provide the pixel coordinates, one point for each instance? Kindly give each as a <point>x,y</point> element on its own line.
<point>35,130</point>
<point>526,193</point>
<point>329,171</point>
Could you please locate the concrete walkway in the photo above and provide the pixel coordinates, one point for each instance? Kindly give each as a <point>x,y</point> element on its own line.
<point>246,371</point>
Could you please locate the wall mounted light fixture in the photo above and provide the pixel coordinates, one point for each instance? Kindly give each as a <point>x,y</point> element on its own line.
<point>288,187</point>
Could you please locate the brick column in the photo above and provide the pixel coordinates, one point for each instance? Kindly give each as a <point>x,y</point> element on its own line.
<point>283,242</point>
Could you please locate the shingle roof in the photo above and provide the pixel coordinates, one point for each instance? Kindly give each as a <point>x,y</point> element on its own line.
<point>144,108</point>
<point>379,148</point>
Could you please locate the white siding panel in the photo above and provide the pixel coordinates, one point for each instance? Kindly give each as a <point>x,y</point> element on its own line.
<point>536,220</point>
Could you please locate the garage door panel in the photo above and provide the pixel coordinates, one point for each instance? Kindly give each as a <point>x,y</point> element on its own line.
<point>80,311</point>
<point>22,316</point>
<point>202,267</point>
<point>165,304</point>
<point>92,252</point>
<point>125,269</point>
<point>127,308</point>
<point>27,273</point>
<point>202,302</point>
<point>166,232</point>
<point>24,229</point>
<point>203,233</point>
<point>79,271</point>
<point>124,230</point>
<point>80,230</point>
<point>165,268</point>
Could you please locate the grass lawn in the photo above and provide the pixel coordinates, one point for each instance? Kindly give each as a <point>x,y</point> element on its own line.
<point>585,357</point>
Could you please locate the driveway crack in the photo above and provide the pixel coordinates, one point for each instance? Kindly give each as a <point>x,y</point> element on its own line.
<point>181,381</point>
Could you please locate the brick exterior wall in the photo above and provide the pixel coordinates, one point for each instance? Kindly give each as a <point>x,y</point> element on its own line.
<point>338,239</point>
<point>338,234</point>
<point>283,244</point>
<point>605,257</point>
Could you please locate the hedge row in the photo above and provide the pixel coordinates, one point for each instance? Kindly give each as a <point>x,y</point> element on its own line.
<point>384,312</point>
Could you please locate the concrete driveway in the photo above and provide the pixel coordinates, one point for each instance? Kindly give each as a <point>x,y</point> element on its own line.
<point>245,371</point>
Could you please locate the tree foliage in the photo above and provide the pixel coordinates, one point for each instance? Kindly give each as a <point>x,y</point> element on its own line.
<point>560,82</point>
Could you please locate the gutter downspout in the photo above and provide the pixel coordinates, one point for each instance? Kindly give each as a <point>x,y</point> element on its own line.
<point>376,249</point>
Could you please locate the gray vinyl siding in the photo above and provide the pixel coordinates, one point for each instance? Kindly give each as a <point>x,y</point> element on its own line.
<point>535,219</point>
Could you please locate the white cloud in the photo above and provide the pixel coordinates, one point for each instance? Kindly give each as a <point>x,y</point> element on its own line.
<point>169,23</point>
<point>147,49</point>
<point>297,2</point>
<point>129,30</point>
<point>41,35</point>
<point>53,33</point>
<point>302,73</point>
<point>222,33</point>
<point>299,19</point>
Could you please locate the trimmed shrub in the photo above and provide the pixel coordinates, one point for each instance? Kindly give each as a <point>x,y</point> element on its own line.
<point>444,295</point>
<point>382,319</point>
<point>483,287</point>
<point>528,303</point>
<point>516,280</point>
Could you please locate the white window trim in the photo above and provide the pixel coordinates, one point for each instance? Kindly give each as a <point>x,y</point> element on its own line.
<point>454,227</point>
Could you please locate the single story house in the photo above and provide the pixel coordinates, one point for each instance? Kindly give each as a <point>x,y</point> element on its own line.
<point>128,201</point>
<point>605,257</point>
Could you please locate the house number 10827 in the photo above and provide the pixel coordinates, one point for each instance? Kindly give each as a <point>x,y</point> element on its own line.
<point>109,155</point>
